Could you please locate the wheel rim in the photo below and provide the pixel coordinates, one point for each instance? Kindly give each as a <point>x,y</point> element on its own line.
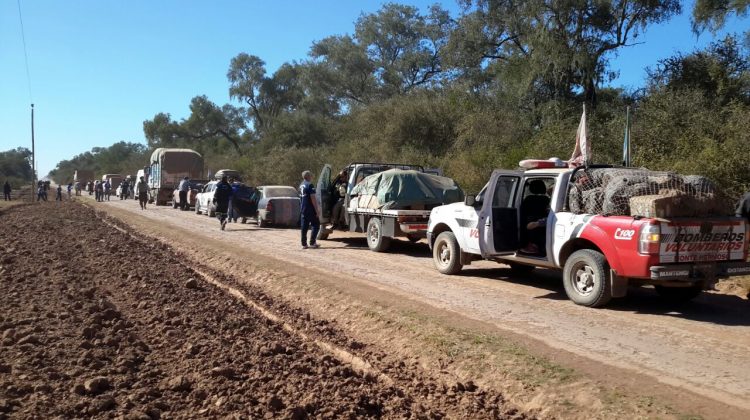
<point>374,234</point>
<point>444,254</point>
<point>584,279</point>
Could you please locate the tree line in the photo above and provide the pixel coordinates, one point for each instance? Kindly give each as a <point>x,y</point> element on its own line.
<point>503,81</point>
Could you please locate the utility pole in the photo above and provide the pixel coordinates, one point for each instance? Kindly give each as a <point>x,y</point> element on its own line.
<point>33,156</point>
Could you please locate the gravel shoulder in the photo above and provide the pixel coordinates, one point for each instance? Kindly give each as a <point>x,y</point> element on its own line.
<point>99,321</point>
<point>543,350</point>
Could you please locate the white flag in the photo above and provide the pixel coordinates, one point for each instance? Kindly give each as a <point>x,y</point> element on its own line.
<point>582,152</point>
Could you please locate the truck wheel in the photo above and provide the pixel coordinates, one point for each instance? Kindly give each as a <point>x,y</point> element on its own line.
<point>323,234</point>
<point>174,204</point>
<point>244,220</point>
<point>262,223</point>
<point>679,294</point>
<point>446,254</point>
<point>521,269</point>
<point>587,279</point>
<point>413,238</point>
<point>375,239</point>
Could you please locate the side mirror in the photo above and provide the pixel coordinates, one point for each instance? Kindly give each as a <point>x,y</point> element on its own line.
<point>470,200</point>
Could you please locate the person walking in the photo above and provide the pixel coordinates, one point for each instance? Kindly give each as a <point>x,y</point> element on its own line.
<point>70,189</point>
<point>184,189</point>
<point>77,187</point>
<point>90,187</point>
<point>232,215</point>
<point>309,211</point>
<point>99,188</point>
<point>107,189</point>
<point>40,196</point>
<point>124,187</point>
<point>58,195</point>
<point>6,191</point>
<point>141,188</point>
<point>222,195</point>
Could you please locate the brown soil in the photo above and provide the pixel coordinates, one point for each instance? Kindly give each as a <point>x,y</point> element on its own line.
<point>96,321</point>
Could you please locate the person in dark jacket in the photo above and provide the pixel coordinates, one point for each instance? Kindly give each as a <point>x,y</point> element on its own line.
<point>222,195</point>
<point>6,191</point>
<point>309,211</point>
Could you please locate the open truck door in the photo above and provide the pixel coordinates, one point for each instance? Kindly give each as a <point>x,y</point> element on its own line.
<point>498,218</point>
<point>323,195</point>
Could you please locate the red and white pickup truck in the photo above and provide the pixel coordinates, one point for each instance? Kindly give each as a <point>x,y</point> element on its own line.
<point>600,254</point>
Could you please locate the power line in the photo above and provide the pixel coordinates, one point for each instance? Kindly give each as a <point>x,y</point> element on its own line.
<point>25,54</point>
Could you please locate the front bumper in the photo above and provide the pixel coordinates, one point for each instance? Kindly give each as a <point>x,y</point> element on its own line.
<point>690,272</point>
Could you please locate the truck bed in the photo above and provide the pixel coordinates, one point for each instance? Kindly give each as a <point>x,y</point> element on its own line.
<point>392,213</point>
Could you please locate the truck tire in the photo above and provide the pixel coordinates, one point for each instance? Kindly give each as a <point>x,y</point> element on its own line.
<point>174,204</point>
<point>679,294</point>
<point>211,211</point>
<point>375,239</point>
<point>323,234</point>
<point>446,254</point>
<point>586,278</point>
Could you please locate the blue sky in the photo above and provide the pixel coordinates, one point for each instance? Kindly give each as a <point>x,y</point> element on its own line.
<point>99,68</point>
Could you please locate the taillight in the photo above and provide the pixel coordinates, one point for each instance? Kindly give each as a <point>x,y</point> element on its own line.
<point>649,239</point>
<point>747,238</point>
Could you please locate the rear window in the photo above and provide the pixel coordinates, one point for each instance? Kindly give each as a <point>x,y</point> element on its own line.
<point>277,192</point>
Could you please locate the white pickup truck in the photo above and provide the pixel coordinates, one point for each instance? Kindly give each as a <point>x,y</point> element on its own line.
<point>599,252</point>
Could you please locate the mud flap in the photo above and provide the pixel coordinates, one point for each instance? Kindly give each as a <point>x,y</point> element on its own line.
<point>619,284</point>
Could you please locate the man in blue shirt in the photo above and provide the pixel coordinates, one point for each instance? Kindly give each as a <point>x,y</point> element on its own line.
<point>309,211</point>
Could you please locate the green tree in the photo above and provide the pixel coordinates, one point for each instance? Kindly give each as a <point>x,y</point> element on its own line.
<point>563,46</point>
<point>15,167</point>
<point>712,14</point>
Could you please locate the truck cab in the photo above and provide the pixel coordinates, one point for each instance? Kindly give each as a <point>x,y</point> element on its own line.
<point>524,219</point>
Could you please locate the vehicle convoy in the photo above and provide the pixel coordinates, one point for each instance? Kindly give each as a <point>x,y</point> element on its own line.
<point>204,200</point>
<point>278,205</point>
<point>167,168</point>
<point>384,200</point>
<point>606,228</point>
<point>83,176</point>
<point>195,188</point>
<point>114,180</point>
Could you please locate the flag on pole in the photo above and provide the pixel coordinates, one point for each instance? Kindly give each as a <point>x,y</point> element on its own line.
<point>582,153</point>
<point>626,141</point>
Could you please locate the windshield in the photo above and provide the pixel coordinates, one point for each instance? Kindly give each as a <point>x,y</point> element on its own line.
<point>276,192</point>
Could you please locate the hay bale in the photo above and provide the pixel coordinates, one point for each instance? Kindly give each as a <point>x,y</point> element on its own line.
<point>660,205</point>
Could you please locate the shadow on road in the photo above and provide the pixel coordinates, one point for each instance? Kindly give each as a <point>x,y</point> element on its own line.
<point>713,308</point>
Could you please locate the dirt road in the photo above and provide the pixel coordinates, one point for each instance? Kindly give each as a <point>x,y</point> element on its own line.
<point>103,323</point>
<point>702,346</point>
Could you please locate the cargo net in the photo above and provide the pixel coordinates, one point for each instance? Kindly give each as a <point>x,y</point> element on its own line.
<point>644,193</point>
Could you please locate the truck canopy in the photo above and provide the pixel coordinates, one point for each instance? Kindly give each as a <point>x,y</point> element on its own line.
<point>179,160</point>
<point>644,193</point>
<point>405,190</point>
